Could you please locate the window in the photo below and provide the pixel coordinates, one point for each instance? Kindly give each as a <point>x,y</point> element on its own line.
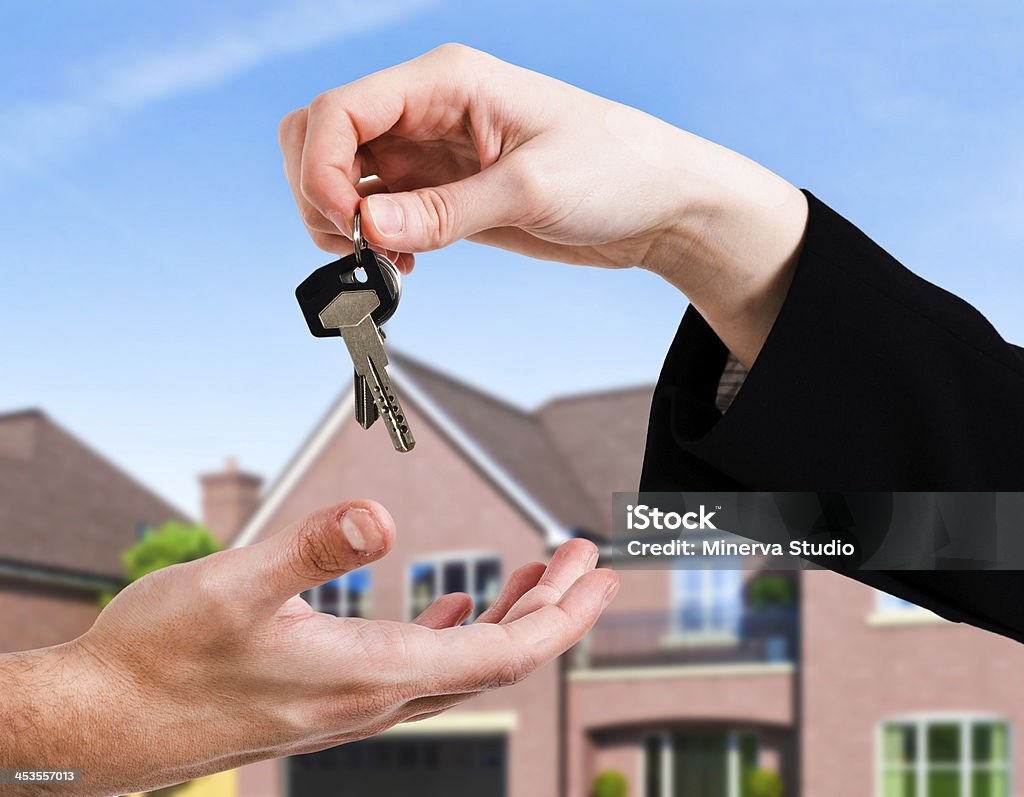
<point>945,758</point>
<point>893,611</point>
<point>890,603</point>
<point>709,600</point>
<point>653,768</point>
<point>711,763</point>
<point>346,596</point>
<point>478,575</point>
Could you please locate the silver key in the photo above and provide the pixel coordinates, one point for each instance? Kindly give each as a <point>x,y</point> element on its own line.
<point>350,313</point>
<point>365,407</point>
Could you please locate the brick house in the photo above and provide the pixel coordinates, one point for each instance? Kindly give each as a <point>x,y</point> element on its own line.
<point>685,686</point>
<point>66,514</point>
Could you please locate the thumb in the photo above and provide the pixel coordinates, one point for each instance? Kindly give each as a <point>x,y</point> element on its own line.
<point>320,547</point>
<point>435,216</point>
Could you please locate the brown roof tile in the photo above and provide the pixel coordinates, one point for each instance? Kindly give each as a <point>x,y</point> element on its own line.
<point>64,506</point>
<point>602,437</point>
<point>569,455</point>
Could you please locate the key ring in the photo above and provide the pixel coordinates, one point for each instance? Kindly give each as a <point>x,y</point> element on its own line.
<point>388,269</point>
<point>357,239</point>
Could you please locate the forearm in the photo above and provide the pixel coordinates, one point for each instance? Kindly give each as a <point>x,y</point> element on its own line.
<point>42,716</point>
<point>733,245</point>
<point>60,709</point>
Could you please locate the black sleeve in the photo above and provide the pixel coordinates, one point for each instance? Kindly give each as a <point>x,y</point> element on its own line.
<point>871,379</point>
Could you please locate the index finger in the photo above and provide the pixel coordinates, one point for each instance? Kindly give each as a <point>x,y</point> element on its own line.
<point>411,97</point>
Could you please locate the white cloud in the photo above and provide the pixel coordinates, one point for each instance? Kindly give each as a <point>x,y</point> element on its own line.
<point>108,92</point>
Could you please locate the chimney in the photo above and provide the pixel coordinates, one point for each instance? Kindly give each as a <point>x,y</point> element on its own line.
<point>230,498</point>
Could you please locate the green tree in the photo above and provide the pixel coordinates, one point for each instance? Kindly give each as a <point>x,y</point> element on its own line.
<point>170,544</point>
<point>610,783</point>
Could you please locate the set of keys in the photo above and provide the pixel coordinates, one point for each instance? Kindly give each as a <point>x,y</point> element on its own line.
<point>336,303</point>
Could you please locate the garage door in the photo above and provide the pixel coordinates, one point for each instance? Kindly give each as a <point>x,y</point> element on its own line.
<point>445,766</point>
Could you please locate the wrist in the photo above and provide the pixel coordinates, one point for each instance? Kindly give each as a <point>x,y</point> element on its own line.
<point>732,243</point>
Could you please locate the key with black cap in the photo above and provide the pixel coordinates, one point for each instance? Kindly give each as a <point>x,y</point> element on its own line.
<point>336,303</point>
<point>320,287</point>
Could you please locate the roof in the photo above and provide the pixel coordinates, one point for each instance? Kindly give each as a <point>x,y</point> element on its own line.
<point>63,506</point>
<point>514,438</point>
<point>601,437</point>
<point>559,464</point>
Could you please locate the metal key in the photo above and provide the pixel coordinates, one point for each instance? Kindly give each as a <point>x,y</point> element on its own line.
<point>323,285</point>
<point>382,279</point>
<point>351,313</point>
<point>365,406</point>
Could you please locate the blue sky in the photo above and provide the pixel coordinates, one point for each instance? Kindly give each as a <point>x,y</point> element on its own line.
<point>149,248</point>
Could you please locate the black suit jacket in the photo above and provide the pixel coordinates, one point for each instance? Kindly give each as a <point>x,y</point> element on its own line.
<point>871,379</point>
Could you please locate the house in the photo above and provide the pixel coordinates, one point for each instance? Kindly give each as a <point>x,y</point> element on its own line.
<point>66,515</point>
<point>486,489</point>
<point>686,685</point>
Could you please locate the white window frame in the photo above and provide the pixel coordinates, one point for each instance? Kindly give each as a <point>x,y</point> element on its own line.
<point>315,593</point>
<point>965,766</point>
<point>468,558</point>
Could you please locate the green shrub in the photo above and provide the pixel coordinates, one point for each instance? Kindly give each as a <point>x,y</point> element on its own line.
<point>171,544</point>
<point>769,589</point>
<point>764,783</point>
<point>610,783</point>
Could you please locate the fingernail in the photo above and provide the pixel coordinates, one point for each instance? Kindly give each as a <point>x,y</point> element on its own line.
<point>592,561</point>
<point>361,530</point>
<point>386,214</point>
<point>338,220</point>
<point>610,593</point>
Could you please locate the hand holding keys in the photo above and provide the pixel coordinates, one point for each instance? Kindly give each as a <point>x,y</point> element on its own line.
<point>335,303</point>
